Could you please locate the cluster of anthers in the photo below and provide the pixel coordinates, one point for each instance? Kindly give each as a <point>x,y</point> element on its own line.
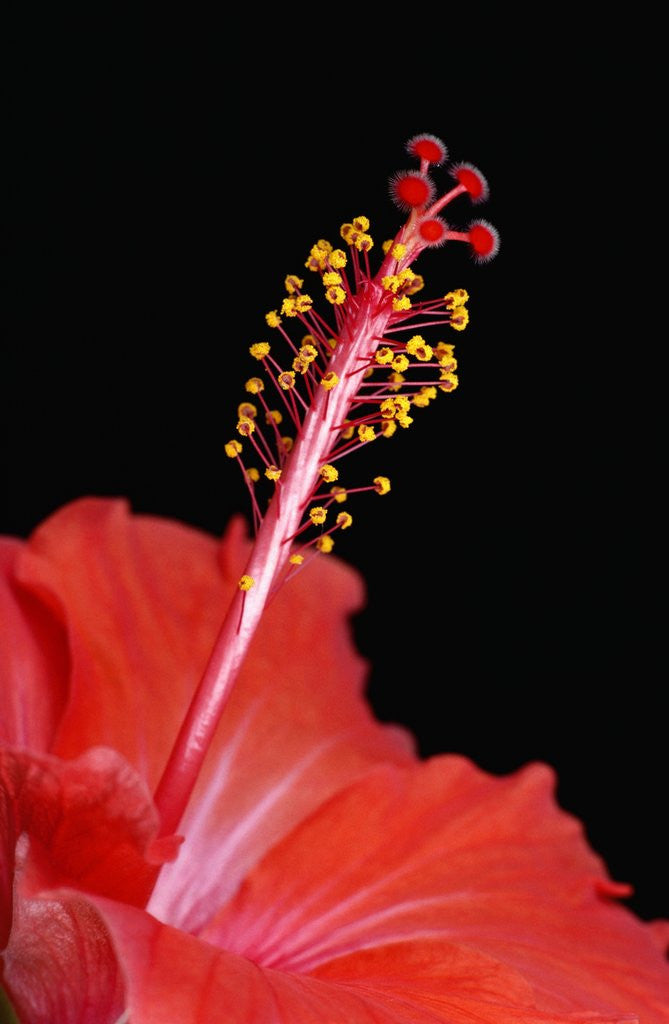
<point>344,384</point>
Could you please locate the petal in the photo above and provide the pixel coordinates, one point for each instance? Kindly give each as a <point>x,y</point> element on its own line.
<point>33,655</point>
<point>60,965</point>
<point>443,850</point>
<point>173,976</point>
<point>142,600</point>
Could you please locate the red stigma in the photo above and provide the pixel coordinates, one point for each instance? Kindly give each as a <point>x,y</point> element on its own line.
<point>433,231</point>
<point>484,240</point>
<point>427,147</point>
<point>410,189</point>
<point>472,180</point>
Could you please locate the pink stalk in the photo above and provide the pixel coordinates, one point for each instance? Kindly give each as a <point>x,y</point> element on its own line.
<point>269,556</point>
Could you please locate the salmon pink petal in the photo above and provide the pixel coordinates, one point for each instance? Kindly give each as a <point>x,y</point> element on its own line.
<point>444,850</point>
<point>33,655</point>
<point>174,976</point>
<point>60,966</point>
<point>89,824</point>
<point>141,600</point>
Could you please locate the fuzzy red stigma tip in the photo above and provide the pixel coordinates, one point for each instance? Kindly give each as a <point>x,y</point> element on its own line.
<point>484,240</point>
<point>427,147</point>
<point>472,180</point>
<point>410,189</point>
<point>433,230</point>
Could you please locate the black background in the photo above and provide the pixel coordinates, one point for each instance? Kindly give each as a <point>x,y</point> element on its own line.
<point>166,177</point>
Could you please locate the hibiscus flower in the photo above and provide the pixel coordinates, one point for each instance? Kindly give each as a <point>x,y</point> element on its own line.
<point>205,823</point>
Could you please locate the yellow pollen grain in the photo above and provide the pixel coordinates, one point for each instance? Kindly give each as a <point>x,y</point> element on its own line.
<point>361,223</point>
<point>286,380</point>
<point>272,318</point>
<point>344,520</point>
<point>384,355</point>
<point>399,250</point>
<point>303,303</point>
<point>233,449</point>
<point>348,432</point>
<point>459,318</point>
<point>388,409</point>
<point>449,382</point>
<point>247,409</point>
<point>325,544</point>
<point>296,559</point>
<point>308,353</point>
<point>336,295</point>
<point>388,428</point>
<point>259,350</point>
<point>417,285</point>
<point>288,307</point>
<point>273,473</point>
<point>339,494</point>
<point>390,283</point>
<point>293,284</point>
<point>329,473</point>
<point>338,259</point>
<point>330,381</point>
<point>246,426</point>
<point>300,365</point>
<point>253,475</point>
<point>366,432</point>
<point>387,245</point>
<point>318,514</point>
<point>456,298</point>
<point>287,444</point>
<point>399,305</point>
<point>404,420</point>
<point>255,385</point>
<point>364,243</point>
<point>418,347</point>
<point>381,484</point>
<point>400,363</point>
<point>273,416</point>
<point>246,582</point>
<point>331,277</point>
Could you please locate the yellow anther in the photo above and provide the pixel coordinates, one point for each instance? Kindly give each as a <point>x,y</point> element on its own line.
<point>246,582</point>
<point>390,283</point>
<point>233,449</point>
<point>344,520</point>
<point>308,353</point>
<point>399,251</point>
<point>430,391</point>
<point>384,355</point>
<point>288,307</point>
<point>388,428</point>
<point>287,444</point>
<point>330,380</point>
<point>361,223</point>
<point>273,472</point>
<point>333,342</point>
<point>421,400</point>
<point>364,243</point>
<point>255,385</point>
<point>444,348</point>
<point>317,259</point>
<point>404,420</point>
<point>259,350</point>
<point>293,284</point>
<point>401,403</point>
<point>253,475</point>
<point>338,259</point>
<point>418,347</point>
<point>459,318</point>
<point>331,277</point>
<point>273,416</point>
<point>381,484</point>
<point>303,303</point>
<point>247,409</point>
<point>329,473</point>
<point>318,515</point>
<point>366,432</point>
<point>339,494</point>
<point>246,426</point>
<point>388,409</point>
<point>324,246</point>
<point>395,381</point>
<point>296,559</point>
<point>406,276</point>
<point>449,382</point>
<point>336,295</point>
<point>325,544</point>
<point>300,365</point>
<point>417,284</point>
<point>286,380</point>
<point>346,230</point>
<point>273,319</point>
<point>368,373</point>
<point>400,363</point>
<point>401,304</point>
<point>456,298</point>
<point>386,246</point>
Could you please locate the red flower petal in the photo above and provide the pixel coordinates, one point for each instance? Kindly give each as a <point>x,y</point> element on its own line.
<point>444,850</point>
<point>33,655</point>
<point>60,966</point>
<point>142,600</point>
